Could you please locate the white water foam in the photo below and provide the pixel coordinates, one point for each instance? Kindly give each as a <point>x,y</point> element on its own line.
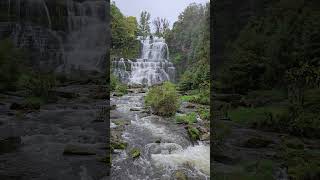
<point>198,156</point>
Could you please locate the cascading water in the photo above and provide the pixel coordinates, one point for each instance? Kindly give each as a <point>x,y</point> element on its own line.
<point>165,147</point>
<point>62,35</point>
<point>87,38</point>
<point>153,67</point>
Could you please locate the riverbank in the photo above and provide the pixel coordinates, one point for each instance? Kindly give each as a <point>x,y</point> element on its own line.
<point>163,147</point>
<point>245,150</point>
<point>65,139</point>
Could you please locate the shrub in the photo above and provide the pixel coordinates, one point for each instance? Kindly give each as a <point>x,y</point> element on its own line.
<point>194,133</point>
<point>113,82</point>
<point>117,86</point>
<point>305,124</point>
<point>163,99</point>
<point>122,88</point>
<point>37,84</point>
<point>11,64</point>
<point>204,114</point>
<point>33,103</point>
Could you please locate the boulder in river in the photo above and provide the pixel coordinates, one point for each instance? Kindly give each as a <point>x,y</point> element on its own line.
<point>180,175</point>
<point>135,109</point>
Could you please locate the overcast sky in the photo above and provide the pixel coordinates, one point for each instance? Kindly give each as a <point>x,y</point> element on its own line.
<point>169,9</point>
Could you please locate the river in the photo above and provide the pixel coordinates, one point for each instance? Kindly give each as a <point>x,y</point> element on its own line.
<point>175,154</point>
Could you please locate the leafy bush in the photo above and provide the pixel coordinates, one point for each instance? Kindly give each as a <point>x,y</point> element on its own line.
<point>204,114</point>
<point>194,133</point>
<point>33,103</point>
<point>122,88</point>
<point>117,86</point>
<point>11,64</point>
<point>306,124</point>
<point>113,82</point>
<point>301,163</point>
<point>37,84</point>
<point>163,99</point>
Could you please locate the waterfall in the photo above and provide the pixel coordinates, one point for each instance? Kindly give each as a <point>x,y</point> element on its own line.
<point>87,35</point>
<point>9,6</point>
<point>62,35</point>
<point>47,12</point>
<point>153,66</point>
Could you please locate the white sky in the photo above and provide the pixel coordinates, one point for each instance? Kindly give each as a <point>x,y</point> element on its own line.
<point>169,9</point>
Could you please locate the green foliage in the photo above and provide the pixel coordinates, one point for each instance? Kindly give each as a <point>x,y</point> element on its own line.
<point>119,145</point>
<point>301,163</point>
<point>163,99</point>
<point>193,133</point>
<point>11,64</point>
<point>135,152</point>
<point>37,84</point>
<point>117,86</point>
<point>33,103</point>
<point>258,117</point>
<point>305,124</point>
<point>113,82</point>
<point>264,97</point>
<point>144,24</point>
<point>189,118</point>
<point>279,119</point>
<point>273,52</point>
<point>162,27</point>
<point>189,43</point>
<point>124,31</point>
<point>221,131</point>
<point>204,114</point>
<point>252,170</point>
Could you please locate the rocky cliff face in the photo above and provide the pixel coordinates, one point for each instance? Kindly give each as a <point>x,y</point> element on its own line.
<point>62,35</point>
<point>230,16</point>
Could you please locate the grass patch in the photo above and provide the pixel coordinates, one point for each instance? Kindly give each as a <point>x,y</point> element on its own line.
<point>264,97</point>
<point>253,170</point>
<point>189,118</point>
<point>187,98</point>
<point>119,145</point>
<point>255,116</point>
<point>204,114</point>
<point>301,163</point>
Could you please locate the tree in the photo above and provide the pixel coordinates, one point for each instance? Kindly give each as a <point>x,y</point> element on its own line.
<point>157,25</point>
<point>144,25</point>
<point>124,31</point>
<point>162,26</point>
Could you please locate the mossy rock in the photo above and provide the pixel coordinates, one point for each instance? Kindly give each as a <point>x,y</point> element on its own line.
<point>135,152</point>
<point>119,145</point>
<point>179,175</point>
<point>121,122</point>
